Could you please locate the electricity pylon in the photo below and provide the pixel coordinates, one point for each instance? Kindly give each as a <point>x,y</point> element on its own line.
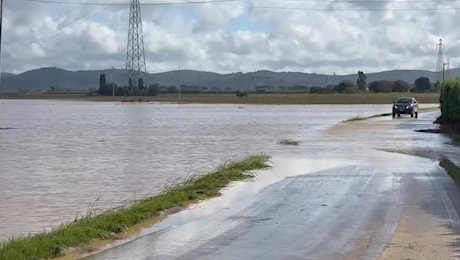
<point>135,55</point>
<point>440,47</point>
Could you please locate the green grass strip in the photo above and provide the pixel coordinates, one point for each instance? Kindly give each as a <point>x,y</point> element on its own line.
<point>456,140</point>
<point>455,136</point>
<point>106,225</point>
<point>358,118</point>
<point>452,169</point>
<point>429,109</point>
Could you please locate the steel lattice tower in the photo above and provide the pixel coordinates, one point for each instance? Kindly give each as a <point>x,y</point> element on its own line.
<point>135,55</point>
<point>440,47</point>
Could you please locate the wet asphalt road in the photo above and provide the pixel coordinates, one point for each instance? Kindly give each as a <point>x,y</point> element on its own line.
<point>320,209</point>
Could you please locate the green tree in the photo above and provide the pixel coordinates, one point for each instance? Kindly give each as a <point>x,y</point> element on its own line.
<point>104,89</point>
<point>346,84</point>
<point>319,90</point>
<point>450,103</point>
<point>381,86</point>
<point>422,84</point>
<point>401,86</point>
<point>102,81</point>
<point>361,81</point>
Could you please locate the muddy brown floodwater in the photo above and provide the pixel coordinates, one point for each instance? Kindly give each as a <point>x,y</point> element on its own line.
<point>60,159</point>
<point>363,190</point>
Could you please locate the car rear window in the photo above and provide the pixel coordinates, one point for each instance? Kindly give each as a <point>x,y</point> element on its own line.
<point>403,100</point>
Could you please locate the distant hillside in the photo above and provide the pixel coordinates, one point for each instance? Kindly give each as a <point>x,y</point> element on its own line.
<point>44,78</point>
<point>7,74</point>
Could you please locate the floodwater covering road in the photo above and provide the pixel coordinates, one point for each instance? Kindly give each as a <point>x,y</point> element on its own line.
<point>363,190</point>
<point>62,159</point>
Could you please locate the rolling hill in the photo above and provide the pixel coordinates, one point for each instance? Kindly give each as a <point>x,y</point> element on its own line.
<point>44,78</point>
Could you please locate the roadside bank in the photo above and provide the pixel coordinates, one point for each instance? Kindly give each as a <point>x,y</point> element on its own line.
<point>77,235</point>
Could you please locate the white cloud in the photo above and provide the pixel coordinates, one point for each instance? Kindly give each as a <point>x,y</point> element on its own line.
<point>218,16</point>
<point>227,38</point>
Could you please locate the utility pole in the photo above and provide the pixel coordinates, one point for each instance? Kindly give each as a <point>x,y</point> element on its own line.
<point>443,72</point>
<point>1,19</point>
<point>447,68</point>
<point>113,85</point>
<point>249,83</point>
<point>180,96</point>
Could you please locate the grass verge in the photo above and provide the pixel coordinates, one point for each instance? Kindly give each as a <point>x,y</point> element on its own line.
<point>452,169</point>
<point>358,118</point>
<point>429,109</point>
<point>456,139</point>
<point>107,225</point>
<point>289,142</point>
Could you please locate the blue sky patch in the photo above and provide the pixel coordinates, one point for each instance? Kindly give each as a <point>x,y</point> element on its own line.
<point>249,23</point>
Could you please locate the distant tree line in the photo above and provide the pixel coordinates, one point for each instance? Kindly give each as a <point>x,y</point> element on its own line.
<point>422,84</point>
<point>109,89</point>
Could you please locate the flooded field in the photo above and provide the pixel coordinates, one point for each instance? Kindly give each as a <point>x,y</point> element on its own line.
<point>59,159</point>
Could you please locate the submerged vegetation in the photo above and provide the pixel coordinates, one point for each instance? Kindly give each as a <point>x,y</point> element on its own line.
<point>289,142</point>
<point>108,224</point>
<point>358,118</point>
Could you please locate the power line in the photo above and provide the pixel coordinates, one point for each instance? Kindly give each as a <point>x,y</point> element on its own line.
<point>223,1</point>
<point>367,1</point>
<point>62,16</point>
<point>94,12</point>
<point>88,15</point>
<point>127,4</point>
<point>339,9</point>
<point>288,8</point>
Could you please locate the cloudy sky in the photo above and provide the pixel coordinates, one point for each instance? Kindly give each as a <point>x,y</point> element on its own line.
<point>316,36</point>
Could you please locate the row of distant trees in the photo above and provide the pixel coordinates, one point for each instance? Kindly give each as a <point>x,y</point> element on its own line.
<point>385,86</point>
<point>109,89</point>
<point>422,84</point>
